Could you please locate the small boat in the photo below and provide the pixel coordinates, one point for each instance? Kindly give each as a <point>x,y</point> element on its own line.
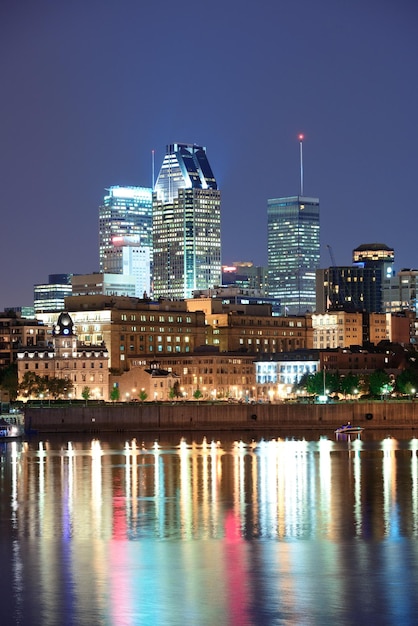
<point>348,429</point>
<point>12,425</point>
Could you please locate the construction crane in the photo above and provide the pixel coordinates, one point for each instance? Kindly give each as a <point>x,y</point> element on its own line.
<point>331,255</point>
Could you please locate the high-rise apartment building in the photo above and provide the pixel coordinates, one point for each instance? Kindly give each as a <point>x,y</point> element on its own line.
<point>125,234</point>
<point>186,224</point>
<point>293,252</point>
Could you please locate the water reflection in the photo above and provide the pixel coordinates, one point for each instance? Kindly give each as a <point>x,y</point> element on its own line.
<point>283,530</point>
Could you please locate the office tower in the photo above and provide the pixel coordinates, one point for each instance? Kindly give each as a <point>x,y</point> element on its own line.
<point>359,287</point>
<point>50,297</point>
<point>125,234</point>
<point>186,224</point>
<point>293,252</point>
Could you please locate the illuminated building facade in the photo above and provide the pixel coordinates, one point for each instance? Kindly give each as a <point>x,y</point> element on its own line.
<point>133,327</point>
<point>50,296</point>
<point>186,224</point>
<point>276,377</point>
<point>17,332</point>
<point>65,357</point>
<point>105,284</point>
<point>125,234</point>
<point>293,252</point>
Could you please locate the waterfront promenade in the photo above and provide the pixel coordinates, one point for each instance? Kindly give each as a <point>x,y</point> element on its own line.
<point>219,416</point>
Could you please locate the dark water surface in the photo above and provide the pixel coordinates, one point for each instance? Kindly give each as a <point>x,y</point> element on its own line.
<point>303,530</point>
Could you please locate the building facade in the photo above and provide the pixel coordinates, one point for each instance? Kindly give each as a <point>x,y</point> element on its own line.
<point>293,252</point>
<point>134,327</point>
<point>66,358</point>
<point>246,275</point>
<point>17,332</point>
<point>359,287</point>
<point>217,376</point>
<point>125,234</point>
<point>51,296</point>
<point>400,293</point>
<point>104,284</point>
<point>186,224</point>
<point>276,376</point>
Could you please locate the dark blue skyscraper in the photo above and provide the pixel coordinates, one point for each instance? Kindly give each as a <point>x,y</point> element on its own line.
<point>293,252</point>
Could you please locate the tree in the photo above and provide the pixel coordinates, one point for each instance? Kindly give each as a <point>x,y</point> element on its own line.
<point>407,381</point>
<point>349,384</point>
<point>32,385</point>
<point>379,383</point>
<point>59,386</point>
<point>9,380</point>
<point>316,384</point>
<point>86,393</point>
<point>175,391</point>
<point>115,394</point>
<point>142,395</point>
<point>197,394</point>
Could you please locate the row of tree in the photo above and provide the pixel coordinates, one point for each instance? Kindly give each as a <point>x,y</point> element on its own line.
<point>376,384</point>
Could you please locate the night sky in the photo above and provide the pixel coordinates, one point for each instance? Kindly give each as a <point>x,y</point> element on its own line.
<point>90,87</point>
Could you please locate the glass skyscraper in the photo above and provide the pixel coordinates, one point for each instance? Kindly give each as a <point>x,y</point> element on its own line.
<point>186,224</point>
<point>293,252</point>
<point>125,234</point>
<point>50,297</point>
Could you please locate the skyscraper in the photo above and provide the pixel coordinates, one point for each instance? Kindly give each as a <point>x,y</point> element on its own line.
<point>125,234</point>
<point>358,287</point>
<point>186,224</point>
<point>293,252</point>
<point>50,297</point>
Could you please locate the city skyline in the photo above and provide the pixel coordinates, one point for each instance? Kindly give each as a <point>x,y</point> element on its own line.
<point>80,117</point>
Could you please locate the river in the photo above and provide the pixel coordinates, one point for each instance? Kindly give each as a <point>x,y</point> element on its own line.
<point>178,531</point>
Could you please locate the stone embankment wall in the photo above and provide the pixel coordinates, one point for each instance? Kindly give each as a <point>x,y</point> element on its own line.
<point>218,416</point>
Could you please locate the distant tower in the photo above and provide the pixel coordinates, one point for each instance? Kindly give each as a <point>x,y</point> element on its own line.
<point>186,224</point>
<point>51,296</point>
<point>293,249</point>
<point>125,234</point>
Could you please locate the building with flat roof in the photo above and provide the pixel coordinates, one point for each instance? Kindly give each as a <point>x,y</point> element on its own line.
<point>51,296</point>
<point>125,234</point>
<point>104,284</point>
<point>293,252</point>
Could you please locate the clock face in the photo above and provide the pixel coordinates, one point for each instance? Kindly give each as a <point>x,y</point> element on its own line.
<point>66,331</point>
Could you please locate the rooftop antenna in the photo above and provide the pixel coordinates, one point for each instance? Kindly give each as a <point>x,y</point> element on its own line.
<point>301,138</point>
<point>152,162</point>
